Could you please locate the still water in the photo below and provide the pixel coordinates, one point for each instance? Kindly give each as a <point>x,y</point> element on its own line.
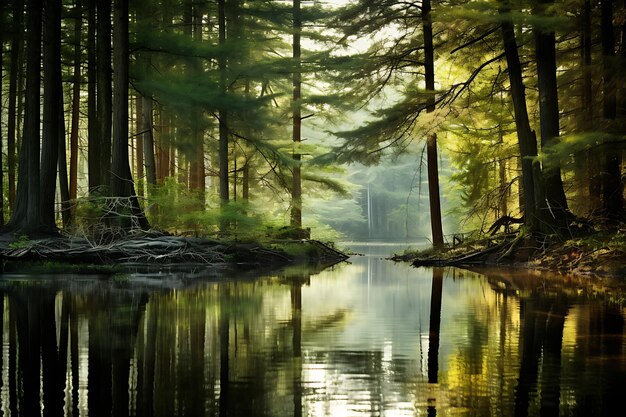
<point>364,338</point>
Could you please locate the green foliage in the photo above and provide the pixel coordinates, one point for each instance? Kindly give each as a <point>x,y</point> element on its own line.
<point>89,216</point>
<point>20,241</point>
<point>174,208</point>
<point>363,103</point>
<point>575,144</point>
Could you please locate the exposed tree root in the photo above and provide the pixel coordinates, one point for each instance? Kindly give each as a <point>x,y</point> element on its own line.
<point>601,253</point>
<point>464,257</point>
<point>161,250</point>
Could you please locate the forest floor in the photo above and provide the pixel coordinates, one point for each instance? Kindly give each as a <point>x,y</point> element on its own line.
<point>601,253</point>
<point>154,251</point>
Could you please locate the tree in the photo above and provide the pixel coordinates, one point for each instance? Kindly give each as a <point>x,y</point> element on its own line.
<point>99,150</point>
<point>545,57</point>
<point>222,114</point>
<point>73,182</point>
<point>12,125</point>
<point>27,215</point>
<point>146,128</point>
<point>531,171</point>
<point>296,188</point>
<point>52,98</point>
<point>93,153</point>
<point>431,141</point>
<point>122,187</point>
<point>591,158</point>
<point>197,169</point>
<point>612,185</point>
<point>2,34</point>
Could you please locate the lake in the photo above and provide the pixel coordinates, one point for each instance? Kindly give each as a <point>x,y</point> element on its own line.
<point>368,337</point>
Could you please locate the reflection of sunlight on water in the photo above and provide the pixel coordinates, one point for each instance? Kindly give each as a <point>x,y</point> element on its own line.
<point>364,364</point>
<point>333,393</point>
<point>387,351</point>
<point>361,330</point>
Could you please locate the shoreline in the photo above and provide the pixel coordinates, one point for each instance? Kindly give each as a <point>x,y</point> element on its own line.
<point>162,252</point>
<point>598,255</point>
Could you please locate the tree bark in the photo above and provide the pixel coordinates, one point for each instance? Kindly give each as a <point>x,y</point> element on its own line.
<point>198,162</point>
<point>26,216</point>
<point>431,140</point>
<point>531,172</point>
<point>222,114</point>
<point>64,188</point>
<point>139,142</point>
<point>296,188</point>
<point>121,178</point>
<point>612,186</point>
<point>192,18</point>
<point>594,184</point>
<point>104,92</point>
<point>148,142</point>
<point>245,181</point>
<point>93,150</point>
<point>51,100</point>
<point>16,46</point>
<point>73,187</point>
<point>545,57</point>
<point>2,32</point>
<point>147,125</point>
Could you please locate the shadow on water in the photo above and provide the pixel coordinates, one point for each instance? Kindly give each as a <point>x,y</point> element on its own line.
<point>369,337</point>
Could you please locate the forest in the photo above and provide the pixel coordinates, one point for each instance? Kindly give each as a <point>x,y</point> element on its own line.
<point>239,118</point>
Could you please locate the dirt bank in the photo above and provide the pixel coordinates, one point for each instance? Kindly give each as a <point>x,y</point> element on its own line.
<point>600,254</point>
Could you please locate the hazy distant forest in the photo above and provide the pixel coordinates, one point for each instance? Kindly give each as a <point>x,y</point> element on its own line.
<point>236,116</point>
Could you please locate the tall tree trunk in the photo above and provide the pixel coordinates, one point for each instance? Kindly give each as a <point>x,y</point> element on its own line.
<point>64,187</point>
<point>148,142</point>
<point>27,214</point>
<point>222,114</point>
<point>192,17</point>
<point>2,32</point>
<point>198,162</point>
<point>431,141</point>
<point>612,186</point>
<point>16,46</point>
<point>594,185</point>
<point>545,57</point>
<point>531,172</point>
<point>296,188</point>
<point>139,143</point>
<point>75,103</point>
<point>166,156</point>
<point>188,28</point>
<point>51,100</point>
<point>245,181</point>
<point>147,125</point>
<point>503,205</point>
<point>121,179</point>
<point>104,92</point>
<point>93,147</point>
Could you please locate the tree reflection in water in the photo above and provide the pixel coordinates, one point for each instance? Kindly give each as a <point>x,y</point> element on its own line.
<point>347,341</point>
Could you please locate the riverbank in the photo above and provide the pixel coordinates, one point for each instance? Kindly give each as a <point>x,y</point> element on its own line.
<point>596,254</point>
<point>157,251</point>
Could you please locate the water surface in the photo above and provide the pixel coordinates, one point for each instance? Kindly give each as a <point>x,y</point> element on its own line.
<point>364,338</point>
